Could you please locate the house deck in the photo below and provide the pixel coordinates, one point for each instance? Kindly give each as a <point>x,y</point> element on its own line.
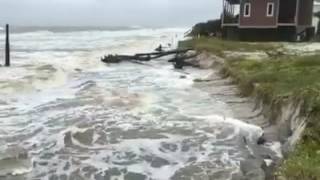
<point>293,16</point>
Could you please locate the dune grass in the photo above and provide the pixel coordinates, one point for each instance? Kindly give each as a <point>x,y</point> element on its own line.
<point>275,80</point>
<point>218,46</point>
<point>304,163</point>
<point>285,76</point>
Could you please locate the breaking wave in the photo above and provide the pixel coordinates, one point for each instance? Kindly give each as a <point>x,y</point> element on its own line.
<point>68,115</point>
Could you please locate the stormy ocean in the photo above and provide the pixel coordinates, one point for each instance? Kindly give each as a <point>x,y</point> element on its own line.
<point>66,115</point>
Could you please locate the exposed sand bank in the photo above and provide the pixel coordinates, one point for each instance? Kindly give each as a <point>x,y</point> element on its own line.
<point>282,124</point>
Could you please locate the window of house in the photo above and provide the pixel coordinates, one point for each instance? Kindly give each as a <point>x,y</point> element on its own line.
<point>247,10</point>
<point>270,9</point>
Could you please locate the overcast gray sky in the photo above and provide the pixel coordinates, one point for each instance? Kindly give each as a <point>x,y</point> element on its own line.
<point>108,12</point>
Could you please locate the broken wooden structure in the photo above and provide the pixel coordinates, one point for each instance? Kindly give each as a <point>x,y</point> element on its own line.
<point>180,55</point>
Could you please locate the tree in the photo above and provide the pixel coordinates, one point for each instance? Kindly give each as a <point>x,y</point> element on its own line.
<point>209,28</point>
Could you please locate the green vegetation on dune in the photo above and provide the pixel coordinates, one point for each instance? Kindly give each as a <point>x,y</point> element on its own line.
<point>283,77</point>
<point>277,80</point>
<point>218,46</point>
<point>303,163</point>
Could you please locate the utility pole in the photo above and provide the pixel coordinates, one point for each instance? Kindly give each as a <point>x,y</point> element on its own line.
<point>7,63</point>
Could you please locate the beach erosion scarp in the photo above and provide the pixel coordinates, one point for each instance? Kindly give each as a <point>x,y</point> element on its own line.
<point>287,111</point>
<point>265,150</point>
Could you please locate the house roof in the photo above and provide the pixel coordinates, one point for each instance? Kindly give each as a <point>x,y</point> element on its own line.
<point>234,1</point>
<point>316,2</point>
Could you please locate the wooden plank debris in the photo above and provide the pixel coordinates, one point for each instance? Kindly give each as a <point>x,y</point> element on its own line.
<point>180,55</point>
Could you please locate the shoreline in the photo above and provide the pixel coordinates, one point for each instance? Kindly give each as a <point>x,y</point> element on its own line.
<point>266,156</point>
<point>284,81</point>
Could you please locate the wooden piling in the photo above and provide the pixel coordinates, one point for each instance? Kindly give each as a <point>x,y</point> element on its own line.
<point>7,63</point>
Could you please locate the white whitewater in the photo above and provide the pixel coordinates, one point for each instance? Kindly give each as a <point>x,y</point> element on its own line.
<point>71,115</point>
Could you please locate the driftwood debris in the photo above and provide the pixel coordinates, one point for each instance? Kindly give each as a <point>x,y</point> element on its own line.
<point>178,60</point>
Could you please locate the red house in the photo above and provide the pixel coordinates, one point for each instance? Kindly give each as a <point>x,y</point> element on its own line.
<point>289,20</point>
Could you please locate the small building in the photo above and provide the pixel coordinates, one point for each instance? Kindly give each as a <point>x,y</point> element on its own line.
<point>267,20</point>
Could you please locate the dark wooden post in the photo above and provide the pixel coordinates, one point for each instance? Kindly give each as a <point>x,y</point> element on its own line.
<point>7,47</point>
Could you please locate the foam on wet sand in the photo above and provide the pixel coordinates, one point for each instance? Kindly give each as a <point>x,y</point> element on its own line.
<point>82,119</point>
